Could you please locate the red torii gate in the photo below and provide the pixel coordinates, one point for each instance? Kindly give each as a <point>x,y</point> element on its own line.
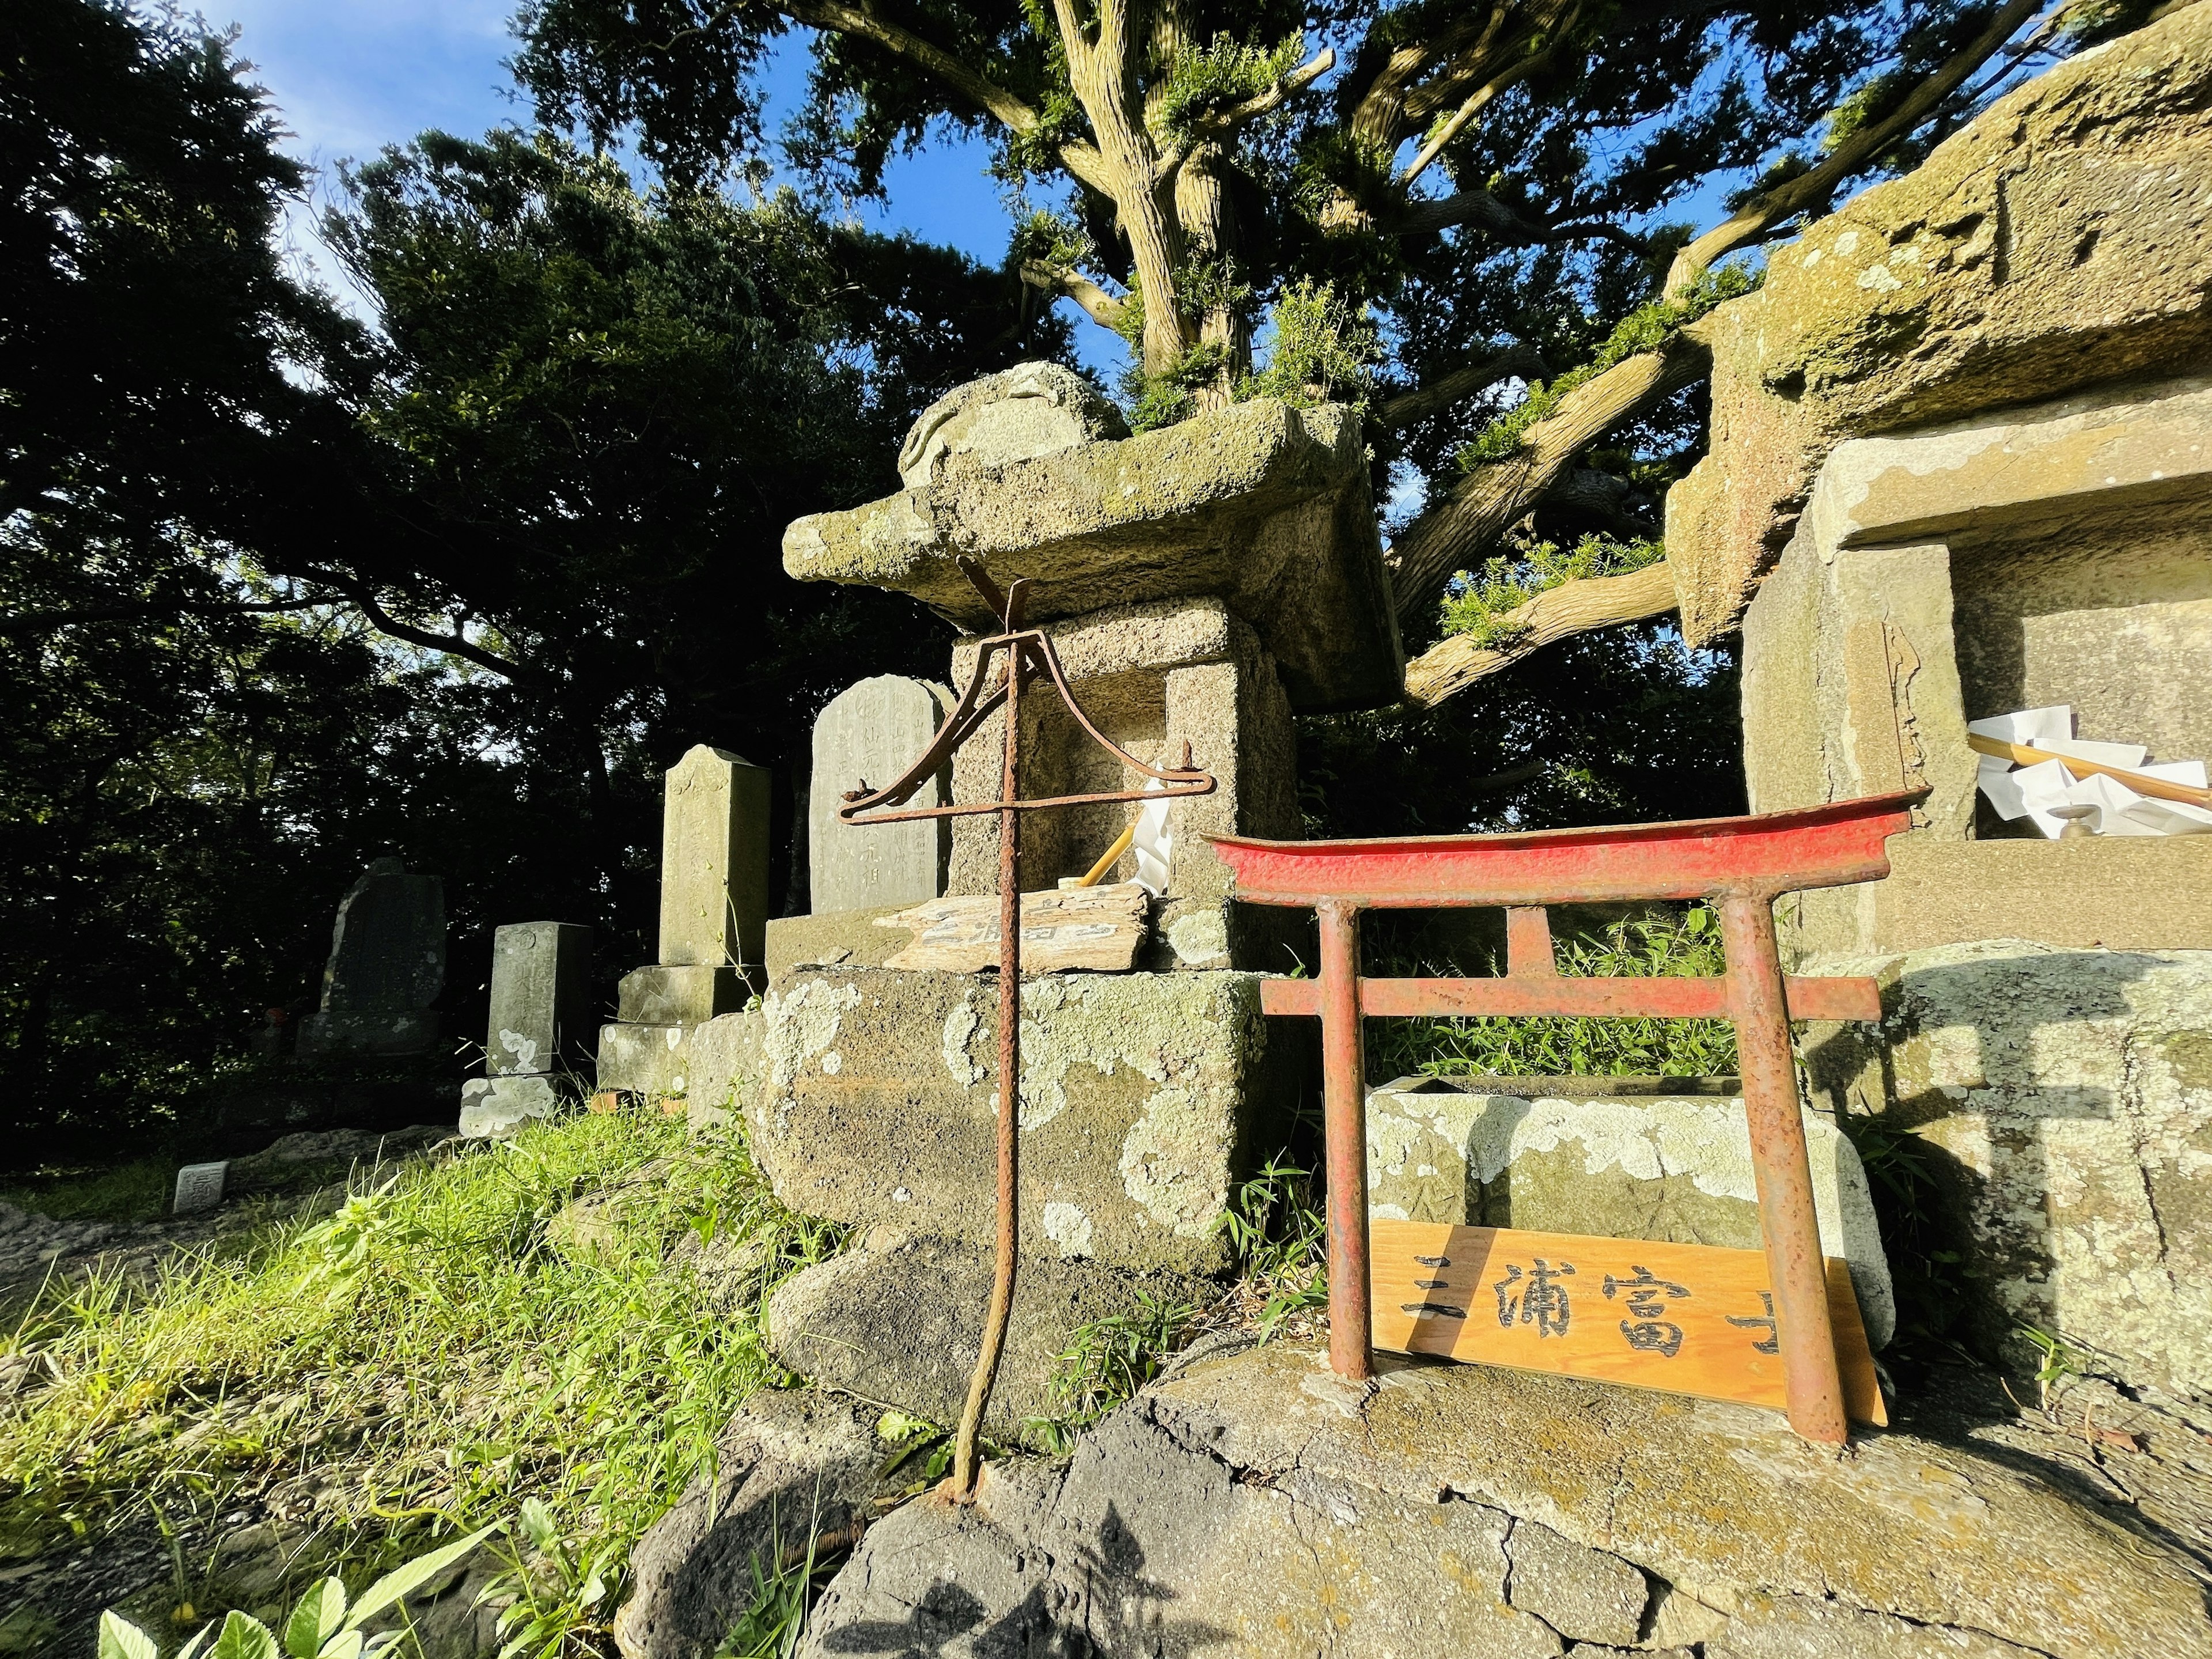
<point>1744,864</point>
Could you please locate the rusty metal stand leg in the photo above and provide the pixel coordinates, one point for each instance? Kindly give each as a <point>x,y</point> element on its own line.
<point>1005,1257</point>
<point>1784,1174</point>
<point>1344,1112</point>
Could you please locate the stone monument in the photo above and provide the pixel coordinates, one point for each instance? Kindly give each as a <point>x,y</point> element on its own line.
<point>541,1010</point>
<point>870,732</point>
<point>388,964</point>
<point>714,914</point>
<point>2012,512</point>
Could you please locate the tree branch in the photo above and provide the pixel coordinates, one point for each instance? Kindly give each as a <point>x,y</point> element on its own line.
<point>40,622</point>
<point>453,644</point>
<point>1481,207</point>
<point>1440,394</point>
<point>1080,159</point>
<point>1102,307</point>
<point>1457,530</point>
<point>1454,664</point>
<point>1808,190</point>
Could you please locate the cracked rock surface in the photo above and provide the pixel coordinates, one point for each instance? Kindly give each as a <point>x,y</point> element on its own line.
<point>1252,1503</point>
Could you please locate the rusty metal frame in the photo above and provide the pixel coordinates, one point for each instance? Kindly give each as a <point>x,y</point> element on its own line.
<point>1025,649</point>
<point>1742,863</point>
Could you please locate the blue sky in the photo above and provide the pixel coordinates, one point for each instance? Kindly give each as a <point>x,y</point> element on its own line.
<point>352,76</point>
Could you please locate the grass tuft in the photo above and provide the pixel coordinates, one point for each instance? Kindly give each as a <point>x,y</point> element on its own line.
<point>425,1359</point>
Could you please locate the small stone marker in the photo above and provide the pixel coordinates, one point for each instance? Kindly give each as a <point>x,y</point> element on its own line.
<point>541,1010</point>
<point>714,861</point>
<point>871,733</point>
<point>199,1186</point>
<point>1684,1318</point>
<point>1101,928</point>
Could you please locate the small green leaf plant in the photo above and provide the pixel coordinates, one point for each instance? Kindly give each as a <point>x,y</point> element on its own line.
<point>324,1626</point>
<point>574,1593</point>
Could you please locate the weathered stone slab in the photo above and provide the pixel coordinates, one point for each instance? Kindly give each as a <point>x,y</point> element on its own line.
<point>1671,1169</point>
<point>1265,506</point>
<point>900,1320</point>
<point>1016,415</point>
<point>728,1063</point>
<point>718,1065</point>
<point>1720,1503</point>
<point>1139,1095</point>
<point>714,861</point>
<point>2062,1100</point>
<point>869,735</point>
<point>789,1464</point>
<point>541,997</point>
<point>388,964</point>
<point>848,938</point>
<point>1098,928</point>
<point>1143,1545</point>
<point>2055,241</point>
<point>680,996</point>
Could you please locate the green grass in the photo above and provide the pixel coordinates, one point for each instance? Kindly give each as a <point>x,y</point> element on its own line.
<point>132,1192</point>
<point>426,1354</point>
<point>1564,1047</point>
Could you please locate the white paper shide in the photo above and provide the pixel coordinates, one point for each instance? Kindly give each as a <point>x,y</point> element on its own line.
<point>2050,794</point>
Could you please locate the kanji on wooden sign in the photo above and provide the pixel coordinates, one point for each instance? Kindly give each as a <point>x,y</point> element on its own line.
<point>1685,1318</point>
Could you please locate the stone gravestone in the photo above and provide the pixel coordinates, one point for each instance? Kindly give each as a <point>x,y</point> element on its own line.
<point>871,733</point>
<point>714,861</point>
<point>387,966</point>
<point>540,997</point>
<point>713,921</point>
<point>540,1011</point>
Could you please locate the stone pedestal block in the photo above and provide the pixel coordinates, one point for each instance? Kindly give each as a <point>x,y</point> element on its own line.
<point>493,1107</point>
<point>714,861</point>
<point>369,1034</point>
<point>1673,1169</point>
<point>2062,1101</point>
<point>717,1065</point>
<point>681,996</point>
<point>541,992</point>
<point>871,733</point>
<point>901,1320</point>
<point>1148,677</point>
<point>1142,1095</point>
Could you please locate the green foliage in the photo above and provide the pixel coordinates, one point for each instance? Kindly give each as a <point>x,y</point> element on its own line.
<point>1481,607</point>
<point>1325,349</point>
<point>1917,1227</point>
<point>1275,1226</point>
<point>1561,1046</point>
<point>1644,329</point>
<point>1223,71</point>
<point>402,1350</point>
<point>323,1625</point>
<point>1106,1361</point>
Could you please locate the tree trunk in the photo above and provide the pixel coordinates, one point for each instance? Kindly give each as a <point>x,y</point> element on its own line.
<point>1575,607</point>
<point>1208,220</point>
<point>1458,532</point>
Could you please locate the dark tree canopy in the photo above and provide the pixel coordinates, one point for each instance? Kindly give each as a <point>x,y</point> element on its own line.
<point>286,593</point>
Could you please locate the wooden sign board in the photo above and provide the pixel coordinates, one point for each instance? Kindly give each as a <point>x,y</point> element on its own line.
<point>1101,928</point>
<point>1684,1318</point>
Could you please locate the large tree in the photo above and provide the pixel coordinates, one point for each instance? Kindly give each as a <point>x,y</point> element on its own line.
<point>1478,197</point>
